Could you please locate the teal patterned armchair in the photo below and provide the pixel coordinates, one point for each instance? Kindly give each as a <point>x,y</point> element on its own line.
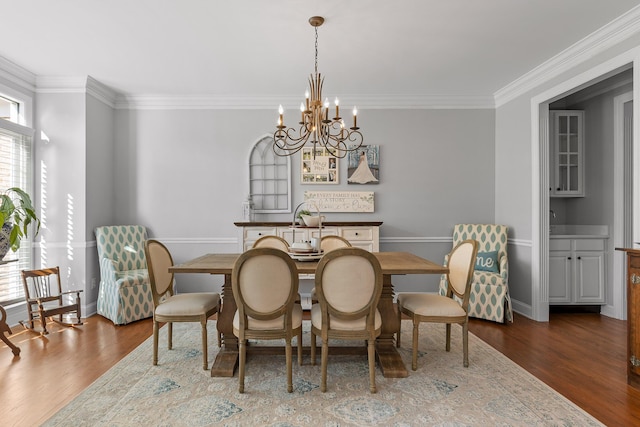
<point>125,292</point>
<point>489,297</point>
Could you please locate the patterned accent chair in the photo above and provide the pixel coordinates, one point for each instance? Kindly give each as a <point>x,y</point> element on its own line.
<point>125,292</point>
<point>489,297</point>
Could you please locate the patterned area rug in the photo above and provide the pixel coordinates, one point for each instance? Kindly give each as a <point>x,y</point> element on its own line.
<point>178,392</point>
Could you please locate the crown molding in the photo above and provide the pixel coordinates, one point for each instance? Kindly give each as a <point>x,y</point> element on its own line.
<point>212,102</point>
<point>17,75</point>
<point>101,92</point>
<point>76,84</point>
<point>61,84</point>
<point>595,43</point>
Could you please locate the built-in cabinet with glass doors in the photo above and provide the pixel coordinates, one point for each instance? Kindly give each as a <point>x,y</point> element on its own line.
<point>566,153</point>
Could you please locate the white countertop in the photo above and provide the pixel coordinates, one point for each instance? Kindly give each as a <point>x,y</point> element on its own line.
<point>572,231</point>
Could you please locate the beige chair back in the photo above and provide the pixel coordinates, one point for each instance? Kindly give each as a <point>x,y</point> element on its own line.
<point>349,283</point>
<point>158,262</point>
<point>272,242</point>
<point>330,243</point>
<point>264,284</point>
<point>462,260</point>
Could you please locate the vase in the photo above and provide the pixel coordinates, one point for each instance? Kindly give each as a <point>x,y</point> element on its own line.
<point>312,221</point>
<point>5,233</point>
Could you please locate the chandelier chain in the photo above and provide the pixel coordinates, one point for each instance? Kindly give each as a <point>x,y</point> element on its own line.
<point>316,28</point>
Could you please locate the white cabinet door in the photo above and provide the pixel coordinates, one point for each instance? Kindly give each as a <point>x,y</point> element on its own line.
<point>567,152</point>
<point>589,277</point>
<point>577,271</point>
<point>560,277</point>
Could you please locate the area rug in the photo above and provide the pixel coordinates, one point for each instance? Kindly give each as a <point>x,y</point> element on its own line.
<point>492,391</point>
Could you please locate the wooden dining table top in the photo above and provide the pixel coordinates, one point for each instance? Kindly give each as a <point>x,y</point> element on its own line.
<point>390,262</point>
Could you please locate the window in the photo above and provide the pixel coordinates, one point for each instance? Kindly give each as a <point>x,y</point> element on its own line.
<point>15,171</point>
<point>9,109</point>
<point>269,178</point>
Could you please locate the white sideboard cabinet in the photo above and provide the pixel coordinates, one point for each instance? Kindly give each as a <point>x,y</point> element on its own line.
<point>364,235</point>
<point>577,271</point>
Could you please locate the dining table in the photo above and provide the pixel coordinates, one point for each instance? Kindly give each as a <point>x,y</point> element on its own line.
<point>387,356</point>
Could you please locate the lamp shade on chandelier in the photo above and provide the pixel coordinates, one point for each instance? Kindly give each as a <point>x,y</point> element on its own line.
<point>316,127</point>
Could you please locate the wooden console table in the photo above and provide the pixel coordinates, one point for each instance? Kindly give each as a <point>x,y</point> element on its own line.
<point>363,234</point>
<point>633,316</point>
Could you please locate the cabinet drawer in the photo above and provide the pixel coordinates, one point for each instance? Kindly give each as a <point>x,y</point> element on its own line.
<point>357,234</point>
<point>326,231</point>
<point>367,246</point>
<point>559,245</point>
<point>589,244</point>
<point>256,233</point>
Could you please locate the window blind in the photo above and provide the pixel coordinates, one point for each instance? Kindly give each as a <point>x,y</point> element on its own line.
<point>15,171</point>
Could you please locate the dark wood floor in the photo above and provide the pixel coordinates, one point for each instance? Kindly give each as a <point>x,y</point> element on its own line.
<point>582,356</point>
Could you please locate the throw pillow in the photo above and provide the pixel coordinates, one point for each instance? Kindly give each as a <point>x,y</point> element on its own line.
<point>487,261</point>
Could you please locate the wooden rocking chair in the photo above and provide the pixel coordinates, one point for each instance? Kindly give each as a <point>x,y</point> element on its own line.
<point>43,292</point>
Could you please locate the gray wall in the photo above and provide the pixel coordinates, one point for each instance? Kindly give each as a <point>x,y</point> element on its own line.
<point>183,173</point>
<point>60,185</point>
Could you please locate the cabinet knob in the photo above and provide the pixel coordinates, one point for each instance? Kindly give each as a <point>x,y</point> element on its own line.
<point>356,233</point>
<point>635,279</point>
<point>259,234</point>
<point>568,257</point>
<point>579,257</point>
<point>558,189</point>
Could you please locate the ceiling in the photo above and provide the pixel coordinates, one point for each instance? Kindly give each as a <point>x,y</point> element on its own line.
<point>259,48</point>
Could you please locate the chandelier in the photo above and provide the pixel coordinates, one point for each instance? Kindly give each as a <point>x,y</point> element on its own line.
<point>315,126</point>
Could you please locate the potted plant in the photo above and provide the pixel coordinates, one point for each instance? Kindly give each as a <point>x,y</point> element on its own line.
<point>16,215</point>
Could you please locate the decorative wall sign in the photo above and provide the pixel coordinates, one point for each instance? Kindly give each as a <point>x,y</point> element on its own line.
<point>341,201</point>
<point>364,165</point>
<point>321,170</point>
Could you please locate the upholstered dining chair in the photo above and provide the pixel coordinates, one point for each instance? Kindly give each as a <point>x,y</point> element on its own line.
<point>348,287</point>
<point>328,244</point>
<point>264,282</point>
<point>489,298</point>
<point>331,242</point>
<point>435,308</point>
<point>171,307</point>
<point>276,242</point>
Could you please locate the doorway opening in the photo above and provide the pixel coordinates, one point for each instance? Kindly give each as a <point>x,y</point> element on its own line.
<point>603,81</point>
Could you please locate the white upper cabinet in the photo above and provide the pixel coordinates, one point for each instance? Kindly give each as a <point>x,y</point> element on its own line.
<point>567,153</point>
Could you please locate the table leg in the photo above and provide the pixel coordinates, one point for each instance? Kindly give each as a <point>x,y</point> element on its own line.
<point>227,358</point>
<point>389,359</point>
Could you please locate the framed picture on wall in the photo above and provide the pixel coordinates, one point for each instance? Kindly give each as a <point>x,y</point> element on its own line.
<point>364,165</point>
<point>323,169</point>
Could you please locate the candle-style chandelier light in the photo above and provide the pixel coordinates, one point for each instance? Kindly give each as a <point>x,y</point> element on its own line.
<point>315,125</point>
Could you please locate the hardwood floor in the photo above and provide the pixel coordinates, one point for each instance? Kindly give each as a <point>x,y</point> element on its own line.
<point>582,356</point>
<point>51,370</point>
